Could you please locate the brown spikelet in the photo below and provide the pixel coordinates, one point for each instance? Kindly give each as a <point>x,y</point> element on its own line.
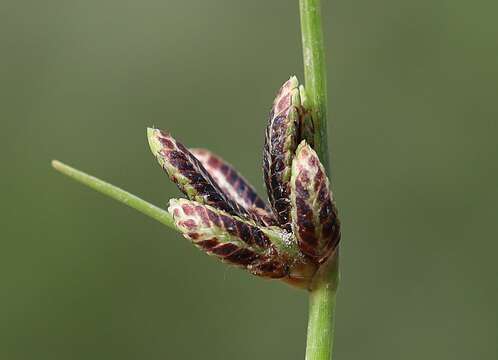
<point>234,186</point>
<point>314,215</point>
<point>229,238</point>
<point>189,174</point>
<point>280,144</point>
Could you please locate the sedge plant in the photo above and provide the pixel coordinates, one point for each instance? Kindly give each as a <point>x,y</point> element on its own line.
<point>294,237</point>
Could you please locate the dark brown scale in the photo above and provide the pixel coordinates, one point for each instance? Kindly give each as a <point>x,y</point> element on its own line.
<point>261,239</point>
<point>307,249</point>
<point>328,229</point>
<point>214,218</point>
<point>180,162</point>
<point>323,195</point>
<point>224,249</point>
<point>274,165</point>
<point>182,148</point>
<point>202,212</point>
<point>305,222</point>
<point>207,244</point>
<point>245,233</point>
<point>228,223</point>
<point>242,257</point>
<point>167,143</point>
<point>264,216</point>
<point>319,181</point>
<point>255,199</point>
<point>270,268</point>
<point>325,212</point>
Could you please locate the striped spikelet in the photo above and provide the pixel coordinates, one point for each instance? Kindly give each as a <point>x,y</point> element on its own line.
<point>189,174</point>
<point>314,215</point>
<point>231,238</point>
<point>282,135</point>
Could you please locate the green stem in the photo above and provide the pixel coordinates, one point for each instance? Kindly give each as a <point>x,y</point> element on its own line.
<point>314,73</point>
<point>323,291</point>
<point>117,194</point>
<point>320,339</point>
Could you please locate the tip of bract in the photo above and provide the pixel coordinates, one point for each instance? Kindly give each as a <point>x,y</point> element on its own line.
<point>154,142</point>
<point>291,84</point>
<point>56,164</point>
<point>303,147</point>
<point>293,80</point>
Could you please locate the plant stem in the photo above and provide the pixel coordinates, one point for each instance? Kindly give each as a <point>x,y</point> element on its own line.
<point>314,73</point>
<point>323,291</point>
<point>320,339</point>
<point>117,194</point>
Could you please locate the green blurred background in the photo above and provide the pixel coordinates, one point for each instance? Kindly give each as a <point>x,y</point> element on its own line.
<point>413,104</point>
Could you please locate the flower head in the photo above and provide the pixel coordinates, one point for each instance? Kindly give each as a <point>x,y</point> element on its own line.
<point>225,217</point>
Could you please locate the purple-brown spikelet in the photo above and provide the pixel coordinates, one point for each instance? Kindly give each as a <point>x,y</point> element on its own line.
<point>280,144</point>
<point>314,216</point>
<point>229,238</point>
<point>234,186</point>
<point>189,174</point>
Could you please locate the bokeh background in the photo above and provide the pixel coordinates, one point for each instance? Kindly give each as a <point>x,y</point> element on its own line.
<point>413,104</point>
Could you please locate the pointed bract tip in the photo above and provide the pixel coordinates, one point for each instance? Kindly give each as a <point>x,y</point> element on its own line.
<point>288,86</point>
<point>154,142</point>
<point>173,203</point>
<point>292,83</point>
<point>303,145</point>
<point>56,164</point>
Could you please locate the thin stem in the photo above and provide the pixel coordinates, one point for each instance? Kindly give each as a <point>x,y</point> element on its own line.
<point>116,193</point>
<point>320,339</point>
<point>314,73</point>
<point>323,291</point>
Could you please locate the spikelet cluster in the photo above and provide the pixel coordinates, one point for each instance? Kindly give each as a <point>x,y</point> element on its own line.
<point>289,237</point>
